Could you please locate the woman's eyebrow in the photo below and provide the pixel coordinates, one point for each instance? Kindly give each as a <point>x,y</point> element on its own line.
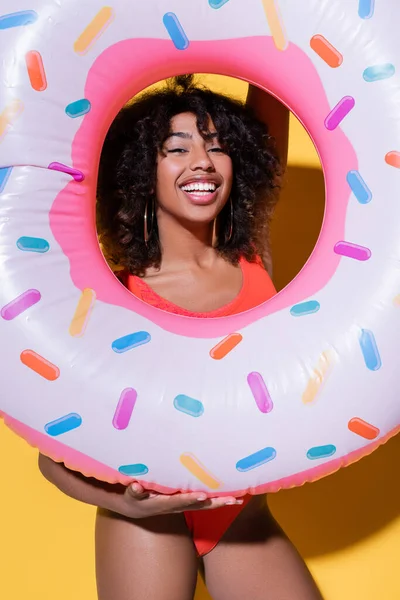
<point>188,136</point>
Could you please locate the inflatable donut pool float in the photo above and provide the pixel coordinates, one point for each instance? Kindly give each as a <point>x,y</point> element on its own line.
<point>271,398</point>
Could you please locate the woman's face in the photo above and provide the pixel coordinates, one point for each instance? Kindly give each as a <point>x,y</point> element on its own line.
<point>194,175</point>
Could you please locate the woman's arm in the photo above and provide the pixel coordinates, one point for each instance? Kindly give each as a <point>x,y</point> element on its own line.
<point>131,501</point>
<point>275,114</point>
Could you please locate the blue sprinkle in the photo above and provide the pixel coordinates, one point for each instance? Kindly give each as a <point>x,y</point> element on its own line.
<point>17,19</point>
<point>305,308</point>
<point>379,72</point>
<point>188,405</point>
<point>359,187</point>
<point>78,108</point>
<point>217,3</point>
<point>175,31</point>
<point>63,425</point>
<point>33,244</point>
<point>133,470</point>
<point>131,341</point>
<point>370,350</point>
<point>321,452</point>
<point>4,175</point>
<point>256,460</point>
<point>366,8</point>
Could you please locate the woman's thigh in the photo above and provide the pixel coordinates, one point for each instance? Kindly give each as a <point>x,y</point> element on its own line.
<point>256,560</point>
<point>149,558</point>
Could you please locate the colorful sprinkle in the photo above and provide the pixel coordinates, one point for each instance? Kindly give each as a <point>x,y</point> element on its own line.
<point>256,460</point>
<point>326,51</point>
<point>352,251</point>
<point>396,300</point>
<point>364,429</point>
<point>77,175</point>
<point>5,173</point>
<point>275,24</point>
<point>196,468</point>
<point>393,159</point>
<point>20,304</point>
<point>339,112</point>
<point>124,409</point>
<point>305,308</point>
<point>188,405</point>
<point>63,425</point>
<point>32,244</point>
<point>225,346</point>
<point>175,31</point>
<point>217,3</point>
<point>260,392</point>
<point>134,470</point>
<point>321,452</point>
<point>36,72</point>
<point>318,378</point>
<point>82,314</point>
<point>18,19</point>
<point>10,114</point>
<point>40,365</point>
<point>94,30</point>
<point>133,340</point>
<point>359,187</point>
<point>78,108</point>
<point>379,72</point>
<point>366,8</point>
<point>370,350</point>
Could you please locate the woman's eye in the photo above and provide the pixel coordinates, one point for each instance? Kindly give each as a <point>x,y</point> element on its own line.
<point>176,150</point>
<point>216,149</point>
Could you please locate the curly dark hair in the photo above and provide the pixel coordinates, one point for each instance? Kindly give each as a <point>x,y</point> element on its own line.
<point>128,171</point>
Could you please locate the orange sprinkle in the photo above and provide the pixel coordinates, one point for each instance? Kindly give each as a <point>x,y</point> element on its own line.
<point>10,114</point>
<point>40,365</point>
<point>94,30</point>
<point>192,464</point>
<point>36,72</point>
<point>225,346</point>
<point>82,313</point>
<point>396,300</point>
<point>393,159</point>
<point>364,429</point>
<point>326,51</point>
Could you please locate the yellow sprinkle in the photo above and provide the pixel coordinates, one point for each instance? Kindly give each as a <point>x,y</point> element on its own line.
<point>319,376</point>
<point>275,23</point>
<point>82,313</point>
<point>10,114</point>
<point>192,464</point>
<point>94,30</point>
<point>396,300</point>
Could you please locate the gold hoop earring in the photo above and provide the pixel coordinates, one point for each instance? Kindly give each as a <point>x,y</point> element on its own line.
<point>146,232</point>
<point>214,242</point>
<point>230,232</point>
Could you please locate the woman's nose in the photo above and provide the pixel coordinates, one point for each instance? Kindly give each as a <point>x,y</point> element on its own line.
<point>201,160</point>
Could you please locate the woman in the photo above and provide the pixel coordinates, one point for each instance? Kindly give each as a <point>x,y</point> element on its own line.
<point>187,185</point>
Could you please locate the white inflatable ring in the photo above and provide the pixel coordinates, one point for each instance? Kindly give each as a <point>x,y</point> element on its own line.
<point>283,394</point>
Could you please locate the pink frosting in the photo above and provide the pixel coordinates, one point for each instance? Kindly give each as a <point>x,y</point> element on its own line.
<point>123,70</point>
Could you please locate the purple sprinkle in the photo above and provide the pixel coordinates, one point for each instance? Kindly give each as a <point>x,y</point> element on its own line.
<point>20,304</point>
<point>125,408</point>
<point>77,175</point>
<point>260,392</point>
<point>352,251</point>
<point>338,113</point>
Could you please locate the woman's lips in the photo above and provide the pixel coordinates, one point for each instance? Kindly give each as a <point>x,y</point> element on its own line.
<point>199,198</point>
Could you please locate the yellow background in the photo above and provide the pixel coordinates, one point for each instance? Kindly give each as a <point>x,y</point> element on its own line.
<point>346,526</point>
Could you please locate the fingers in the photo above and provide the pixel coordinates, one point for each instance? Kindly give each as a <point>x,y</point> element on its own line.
<point>190,501</point>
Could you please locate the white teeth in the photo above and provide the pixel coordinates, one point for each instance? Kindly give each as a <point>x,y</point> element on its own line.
<point>200,187</point>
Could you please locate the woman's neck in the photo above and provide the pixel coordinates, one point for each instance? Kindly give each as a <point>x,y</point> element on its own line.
<point>184,246</point>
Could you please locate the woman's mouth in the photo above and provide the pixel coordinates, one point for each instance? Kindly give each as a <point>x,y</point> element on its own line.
<point>200,192</point>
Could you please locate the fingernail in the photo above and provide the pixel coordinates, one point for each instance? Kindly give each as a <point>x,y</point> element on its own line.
<point>136,487</point>
<point>201,498</point>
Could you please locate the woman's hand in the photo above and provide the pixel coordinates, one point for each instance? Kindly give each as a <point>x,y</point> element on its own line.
<point>132,502</point>
<point>140,503</point>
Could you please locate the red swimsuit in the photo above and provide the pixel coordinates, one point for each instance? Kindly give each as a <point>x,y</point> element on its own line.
<point>207,527</point>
